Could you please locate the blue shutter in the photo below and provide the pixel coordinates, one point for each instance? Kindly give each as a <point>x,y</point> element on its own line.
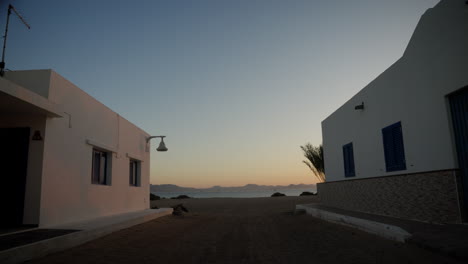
<point>399,148</point>
<point>459,112</point>
<point>345,160</point>
<point>351,160</point>
<point>348,159</point>
<point>394,150</point>
<point>388,148</point>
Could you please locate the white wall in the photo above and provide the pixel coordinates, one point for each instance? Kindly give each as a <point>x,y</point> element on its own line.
<point>67,192</point>
<point>412,91</point>
<point>37,81</point>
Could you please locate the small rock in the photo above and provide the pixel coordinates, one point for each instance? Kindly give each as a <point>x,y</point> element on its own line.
<point>307,193</point>
<point>179,209</point>
<point>278,194</point>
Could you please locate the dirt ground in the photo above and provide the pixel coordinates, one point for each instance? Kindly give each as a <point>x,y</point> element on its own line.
<point>242,230</point>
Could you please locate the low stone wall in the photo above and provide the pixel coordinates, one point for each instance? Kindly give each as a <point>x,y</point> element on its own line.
<point>429,197</point>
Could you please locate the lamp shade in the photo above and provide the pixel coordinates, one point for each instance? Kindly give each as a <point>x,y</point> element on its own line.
<point>162,146</point>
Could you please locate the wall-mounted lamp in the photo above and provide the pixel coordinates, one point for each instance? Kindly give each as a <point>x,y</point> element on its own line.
<point>37,135</point>
<point>162,145</point>
<point>359,107</point>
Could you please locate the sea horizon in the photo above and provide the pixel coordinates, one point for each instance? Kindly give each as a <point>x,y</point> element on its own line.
<point>228,194</point>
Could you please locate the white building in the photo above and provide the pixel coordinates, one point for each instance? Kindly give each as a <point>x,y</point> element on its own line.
<point>65,156</point>
<point>399,147</point>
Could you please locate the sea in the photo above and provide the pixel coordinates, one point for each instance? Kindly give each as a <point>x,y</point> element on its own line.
<point>244,194</point>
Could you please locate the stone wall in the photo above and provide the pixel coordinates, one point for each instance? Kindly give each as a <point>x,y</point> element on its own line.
<point>429,197</point>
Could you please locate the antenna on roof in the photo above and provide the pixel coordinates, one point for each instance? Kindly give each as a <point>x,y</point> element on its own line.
<point>10,8</point>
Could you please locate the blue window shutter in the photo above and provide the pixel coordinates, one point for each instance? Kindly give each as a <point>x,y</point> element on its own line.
<point>388,149</point>
<point>394,148</point>
<point>348,159</point>
<point>399,148</point>
<point>351,160</point>
<point>345,160</point>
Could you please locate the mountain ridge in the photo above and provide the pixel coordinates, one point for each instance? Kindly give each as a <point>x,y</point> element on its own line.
<point>246,188</point>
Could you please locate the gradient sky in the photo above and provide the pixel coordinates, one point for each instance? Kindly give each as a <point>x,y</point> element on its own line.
<point>235,85</point>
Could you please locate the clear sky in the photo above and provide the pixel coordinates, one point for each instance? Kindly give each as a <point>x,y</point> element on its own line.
<point>235,85</point>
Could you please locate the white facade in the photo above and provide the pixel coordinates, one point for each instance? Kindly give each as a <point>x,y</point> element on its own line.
<point>59,186</point>
<point>414,91</point>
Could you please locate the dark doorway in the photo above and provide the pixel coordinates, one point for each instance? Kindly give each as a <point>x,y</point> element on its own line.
<point>459,111</point>
<point>13,161</point>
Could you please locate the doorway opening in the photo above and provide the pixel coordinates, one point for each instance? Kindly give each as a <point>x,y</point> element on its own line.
<point>13,166</point>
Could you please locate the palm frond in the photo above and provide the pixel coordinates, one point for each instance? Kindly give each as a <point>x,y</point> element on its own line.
<point>314,160</point>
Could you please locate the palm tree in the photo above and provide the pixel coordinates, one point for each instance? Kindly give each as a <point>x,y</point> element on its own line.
<point>314,160</point>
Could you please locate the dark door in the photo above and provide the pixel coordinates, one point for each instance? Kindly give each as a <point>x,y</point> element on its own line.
<point>13,168</point>
<point>459,110</point>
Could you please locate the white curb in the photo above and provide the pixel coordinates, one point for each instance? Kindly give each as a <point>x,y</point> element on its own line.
<point>384,230</point>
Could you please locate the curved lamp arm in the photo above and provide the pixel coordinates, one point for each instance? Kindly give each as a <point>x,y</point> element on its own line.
<point>162,145</point>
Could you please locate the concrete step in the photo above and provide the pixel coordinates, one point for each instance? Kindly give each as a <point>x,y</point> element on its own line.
<point>87,231</point>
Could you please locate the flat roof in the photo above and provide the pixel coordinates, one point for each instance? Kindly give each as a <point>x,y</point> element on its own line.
<point>17,99</point>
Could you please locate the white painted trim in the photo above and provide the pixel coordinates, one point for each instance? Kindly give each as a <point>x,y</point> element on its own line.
<point>387,231</point>
<point>88,231</point>
<point>135,157</point>
<point>101,146</point>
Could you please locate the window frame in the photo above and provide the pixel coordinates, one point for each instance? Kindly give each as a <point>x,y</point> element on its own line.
<point>348,160</point>
<point>103,166</point>
<point>394,147</point>
<point>134,175</point>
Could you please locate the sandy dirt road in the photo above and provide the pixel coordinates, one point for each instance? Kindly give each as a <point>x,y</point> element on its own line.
<point>248,230</point>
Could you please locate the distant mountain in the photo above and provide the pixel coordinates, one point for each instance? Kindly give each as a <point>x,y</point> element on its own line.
<point>245,188</point>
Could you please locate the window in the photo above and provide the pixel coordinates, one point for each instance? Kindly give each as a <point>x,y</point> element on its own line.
<point>134,172</point>
<point>393,147</point>
<point>348,158</point>
<point>100,169</point>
